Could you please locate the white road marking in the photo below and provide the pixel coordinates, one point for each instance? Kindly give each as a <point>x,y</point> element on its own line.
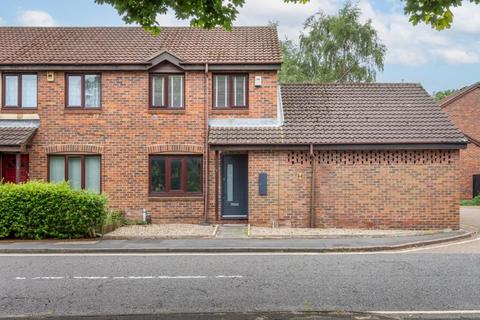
<point>428,312</point>
<point>130,277</point>
<point>440,245</point>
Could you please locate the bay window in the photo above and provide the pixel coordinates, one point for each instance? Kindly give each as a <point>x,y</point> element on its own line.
<point>175,175</point>
<point>19,90</point>
<point>167,91</point>
<point>83,91</point>
<point>81,171</point>
<point>230,91</point>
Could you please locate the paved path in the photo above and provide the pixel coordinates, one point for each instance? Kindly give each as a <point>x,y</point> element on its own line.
<point>221,244</point>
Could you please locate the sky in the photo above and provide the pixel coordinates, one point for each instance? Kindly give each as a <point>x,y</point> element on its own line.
<point>439,60</point>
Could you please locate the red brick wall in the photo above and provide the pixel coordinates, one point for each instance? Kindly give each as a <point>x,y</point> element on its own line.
<point>462,111</point>
<point>386,190</point>
<point>124,131</point>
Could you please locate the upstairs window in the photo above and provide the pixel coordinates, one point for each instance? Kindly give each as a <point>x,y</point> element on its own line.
<point>83,91</point>
<point>230,91</point>
<point>167,91</point>
<point>20,90</point>
<point>175,175</point>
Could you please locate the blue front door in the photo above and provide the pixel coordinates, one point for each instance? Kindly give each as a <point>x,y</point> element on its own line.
<point>235,186</point>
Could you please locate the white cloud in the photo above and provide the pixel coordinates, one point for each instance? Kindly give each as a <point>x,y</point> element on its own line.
<point>466,18</point>
<point>37,18</point>
<point>456,55</point>
<point>2,22</point>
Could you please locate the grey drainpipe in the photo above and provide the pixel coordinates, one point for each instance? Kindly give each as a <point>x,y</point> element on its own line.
<point>313,189</point>
<point>205,150</point>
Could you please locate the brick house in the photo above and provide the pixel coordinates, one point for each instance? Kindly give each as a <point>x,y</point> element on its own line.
<point>461,107</point>
<point>193,126</point>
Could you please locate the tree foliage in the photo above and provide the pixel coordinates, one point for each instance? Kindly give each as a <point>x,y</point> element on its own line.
<point>437,14</point>
<point>211,13</point>
<point>334,48</point>
<point>439,95</point>
<point>201,13</point>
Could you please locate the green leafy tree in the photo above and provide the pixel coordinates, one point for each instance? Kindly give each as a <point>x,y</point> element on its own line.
<point>211,13</point>
<point>334,48</point>
<point>201,13</point>
<point>437,14</point>
<point>439,95</point>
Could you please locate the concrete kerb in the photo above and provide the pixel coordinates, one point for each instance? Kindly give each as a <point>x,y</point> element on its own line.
<point>246,249</point>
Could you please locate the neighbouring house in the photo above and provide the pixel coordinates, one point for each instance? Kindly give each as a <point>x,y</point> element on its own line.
<point>462,107</point>
<point>192,126</point>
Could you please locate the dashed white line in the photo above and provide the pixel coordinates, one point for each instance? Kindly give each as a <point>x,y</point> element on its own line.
<point>131,277</point>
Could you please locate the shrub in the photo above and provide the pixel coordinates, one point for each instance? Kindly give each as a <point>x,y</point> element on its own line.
<point>38,210</point>
<point>472,202</point>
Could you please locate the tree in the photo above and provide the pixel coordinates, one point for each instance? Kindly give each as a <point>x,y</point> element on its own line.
<point>439,95</point>
<point>335,48</point>
<point>437,14</point>
<point>211,13</point>
<point>202,13</point>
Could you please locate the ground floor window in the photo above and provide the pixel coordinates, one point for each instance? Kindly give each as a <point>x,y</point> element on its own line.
<point>81,171</point>
<point>175,175</point>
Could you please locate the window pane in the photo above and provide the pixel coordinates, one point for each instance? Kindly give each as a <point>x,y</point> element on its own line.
<point>175,95</point>
<point>157,172</point>
<point>29,91</point>
<point>194,170</point>
<point>75,91</point>
<point>221,87</point>
<point>176,174</point>
<point>75,173</point>
<point>239,83</point>
<point>229,182</point>
<point>92,173</point>
<point>92,91</point>
<point>158,89</point>
<point>57,168</point>
<point>11,90</point>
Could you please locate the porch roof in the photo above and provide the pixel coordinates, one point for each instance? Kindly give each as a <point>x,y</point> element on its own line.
<point>16,136</point>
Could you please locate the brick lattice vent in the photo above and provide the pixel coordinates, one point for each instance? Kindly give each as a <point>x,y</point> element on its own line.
<point>373,157</point>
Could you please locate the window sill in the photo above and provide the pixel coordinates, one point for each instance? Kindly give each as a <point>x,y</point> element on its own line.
<point>19,110</point>
<point>175,198</point>
<point>230,111</point>
<point>168,111</point>
<point>84,111</point>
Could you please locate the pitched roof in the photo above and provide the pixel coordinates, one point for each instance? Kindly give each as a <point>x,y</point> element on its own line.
<point>133,45</point>
<point>16,136</point>
<point>350,114</point>
<point>457,94</point>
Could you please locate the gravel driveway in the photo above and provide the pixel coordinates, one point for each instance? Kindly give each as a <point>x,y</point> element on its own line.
<point>161,231</point>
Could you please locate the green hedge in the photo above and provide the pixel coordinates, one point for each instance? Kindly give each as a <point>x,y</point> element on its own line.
<point>38,210</point>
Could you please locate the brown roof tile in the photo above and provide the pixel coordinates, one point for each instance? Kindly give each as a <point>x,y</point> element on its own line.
<point>15,136</point>
<point>350,114</point>
<point>133,45</point>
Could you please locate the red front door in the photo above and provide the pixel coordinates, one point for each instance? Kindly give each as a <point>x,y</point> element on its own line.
<point>9,171</point>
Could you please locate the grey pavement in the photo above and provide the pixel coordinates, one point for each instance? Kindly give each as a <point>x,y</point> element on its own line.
<point>228,245</point>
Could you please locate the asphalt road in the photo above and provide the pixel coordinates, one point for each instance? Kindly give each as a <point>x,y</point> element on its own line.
<point>443,280</point>
<point>207,283</point>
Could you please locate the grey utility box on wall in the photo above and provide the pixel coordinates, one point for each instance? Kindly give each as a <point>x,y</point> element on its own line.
<point>262,184</point>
